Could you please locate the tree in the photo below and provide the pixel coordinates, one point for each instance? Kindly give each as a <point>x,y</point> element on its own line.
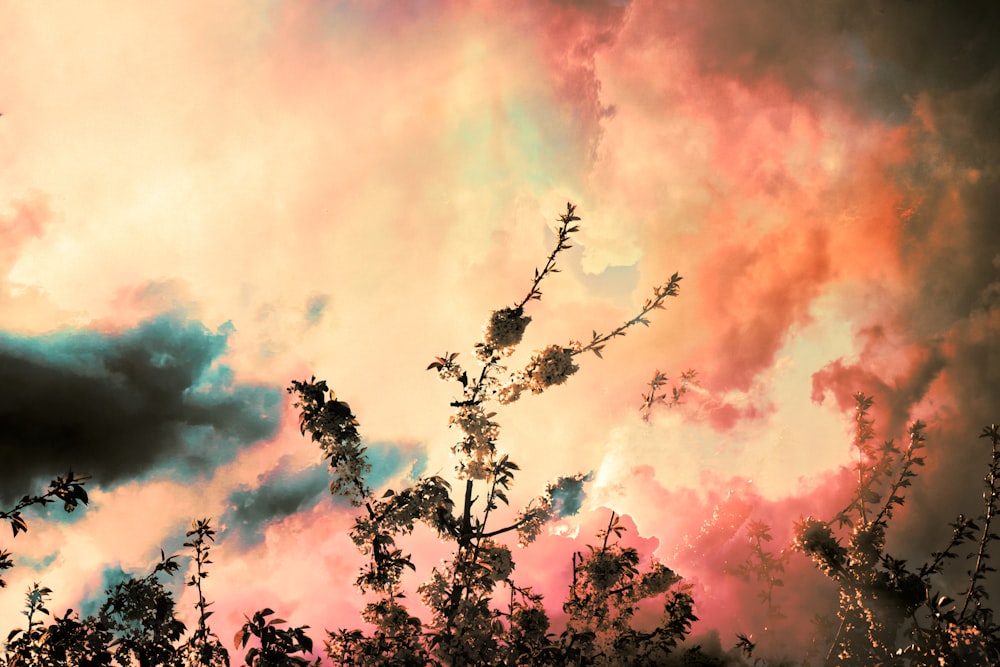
<point>467,626</point>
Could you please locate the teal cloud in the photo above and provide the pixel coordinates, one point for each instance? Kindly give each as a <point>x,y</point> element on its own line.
<point>284,491</point>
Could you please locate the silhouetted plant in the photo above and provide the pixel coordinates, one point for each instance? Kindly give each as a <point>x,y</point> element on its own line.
<point>677,392</point>
<point>276,644</point>
<point>140,615</point>
<point>25,646</point>
<point>764,567</point>
<point>66,642</point>
<point>604,597</point>
<point>883,599</point>
<point>203,646</point>
<point>467,626</point>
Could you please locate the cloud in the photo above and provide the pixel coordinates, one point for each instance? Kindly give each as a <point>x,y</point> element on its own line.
<point>872,55</point>
<point>755,293</point>
<point>120,405</point>
<point>24,306</point>
<point>315,308</point>
<point>285,490</point>
<point>111,576</point>
<point>26,220</point>
<point>808,169</point>
<point>280,492</point>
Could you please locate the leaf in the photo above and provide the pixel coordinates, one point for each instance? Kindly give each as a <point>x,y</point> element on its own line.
<point>17,524</point>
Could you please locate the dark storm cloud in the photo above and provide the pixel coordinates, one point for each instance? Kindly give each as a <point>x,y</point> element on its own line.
<point>877,54</point>
<point>120,405</point>
<point>952,245</point>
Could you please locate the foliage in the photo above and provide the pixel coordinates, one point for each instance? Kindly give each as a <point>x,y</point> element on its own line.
<point>136,623</point>
<point>674,398</point>
<point>277,644</point>
<point>604,597</point>
<point>890,612</point>
<point>139,613</point>
<point>68,489</point>
<point>66,641</point>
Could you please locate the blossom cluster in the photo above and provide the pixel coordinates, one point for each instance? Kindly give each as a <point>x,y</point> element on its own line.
<point>658,579</point>
<point>505,329</point>
<point>476,450</point>
<point>550,367</point>
<point>497,558</point>
<point>532,518</point>
<point>815,539</point>
<point>434,593</point>
<point>510,392</point>
<point>867,544</point>
<point>547,368</point>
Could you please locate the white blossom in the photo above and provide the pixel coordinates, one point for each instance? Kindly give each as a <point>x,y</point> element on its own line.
<point>510,392</point>
<point>550,367</point>
<point>504,329</point>
<point>497,558</point>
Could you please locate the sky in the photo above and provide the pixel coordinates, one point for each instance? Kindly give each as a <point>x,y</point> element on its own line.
<point>200,203</point>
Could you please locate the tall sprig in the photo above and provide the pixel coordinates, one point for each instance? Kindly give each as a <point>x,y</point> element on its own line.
<point>976,592</point>
<point>203,647</point>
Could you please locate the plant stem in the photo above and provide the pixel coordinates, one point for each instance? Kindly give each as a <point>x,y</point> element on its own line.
<point>991,498</point>
<point>550,264</point>
<point>661,293</point>
<point>607,533</point>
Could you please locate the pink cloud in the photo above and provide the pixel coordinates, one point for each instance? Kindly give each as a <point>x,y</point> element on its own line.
<point>753,293</point>
<point>405,166</point>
